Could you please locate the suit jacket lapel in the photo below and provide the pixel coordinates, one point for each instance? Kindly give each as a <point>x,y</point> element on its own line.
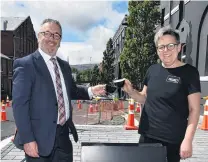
<point>43,70</point>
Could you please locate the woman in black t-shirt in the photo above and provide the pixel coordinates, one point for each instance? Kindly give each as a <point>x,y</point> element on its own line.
<point>171,98</point>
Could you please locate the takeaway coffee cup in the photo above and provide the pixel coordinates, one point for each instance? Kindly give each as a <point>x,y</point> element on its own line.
<point>110,88</point>
<point>119,83</point>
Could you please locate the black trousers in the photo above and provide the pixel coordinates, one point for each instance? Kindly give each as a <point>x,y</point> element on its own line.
<point>173,150</point>
<point>62,150</point>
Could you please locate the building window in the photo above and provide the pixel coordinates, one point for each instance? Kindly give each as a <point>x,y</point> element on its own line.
<point>120,43</point>
<point>183,53</point>
<point>4,66</point>
<point>123,34</point>
<point>181,12</point>
<point>206,60</point>
<point>170,8</point>
<point>162,17</point>
<point>118,49</point>
<point>10,67</point>
<point>117,43</point>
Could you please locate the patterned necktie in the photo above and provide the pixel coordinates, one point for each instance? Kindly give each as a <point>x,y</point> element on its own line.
<point>61,106</point>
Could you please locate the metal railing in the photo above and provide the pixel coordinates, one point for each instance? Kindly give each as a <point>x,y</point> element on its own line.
<point>98,111</point>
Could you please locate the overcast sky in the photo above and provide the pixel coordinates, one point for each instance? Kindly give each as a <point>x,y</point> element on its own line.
<point>87,25</point>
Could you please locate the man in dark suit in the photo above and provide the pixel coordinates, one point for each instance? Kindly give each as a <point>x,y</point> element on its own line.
<point>42,92</point>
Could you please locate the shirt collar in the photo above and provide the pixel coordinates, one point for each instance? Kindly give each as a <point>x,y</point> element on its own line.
<point>45,56</point>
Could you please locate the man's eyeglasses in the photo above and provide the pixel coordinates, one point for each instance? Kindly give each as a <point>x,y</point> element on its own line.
<point>55,36</point>
<point>169,47</point>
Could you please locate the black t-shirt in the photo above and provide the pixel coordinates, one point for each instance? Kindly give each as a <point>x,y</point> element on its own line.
<point>165,113</point>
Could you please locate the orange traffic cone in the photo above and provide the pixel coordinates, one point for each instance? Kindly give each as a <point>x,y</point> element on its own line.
<point>79,105</point>
<point>121,105</point>
<point>90,110</point>
<point>130,123</point>
<point>138,107</point>
<point>102,106</point>
<point>3,112</point>
<point>7,101</point>
<point>204,125</point>
<point>96,108</point>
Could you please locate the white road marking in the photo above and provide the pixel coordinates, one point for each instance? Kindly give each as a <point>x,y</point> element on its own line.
<point>5,142</point>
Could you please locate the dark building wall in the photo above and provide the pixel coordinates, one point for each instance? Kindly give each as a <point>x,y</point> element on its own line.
<point>15,44</point>
<point>118,44</point>
<point>25,41</point>
<point>193,29</point>
<point>174,4</point>
<point>6,64</point>
<point>166,6</point>
<point>6,78</point>
<point>7,43</point>
<point>193,12</point>
<point>20,42</point>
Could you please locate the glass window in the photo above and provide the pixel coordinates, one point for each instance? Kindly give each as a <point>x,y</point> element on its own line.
<point>183,53</point>
<point>174,4</point>
<point>10,68</point>
<point>123,33</point>
<point>3,66</point>
<point>163,16</point>
<point>120,43</point>
<point>181,8</point>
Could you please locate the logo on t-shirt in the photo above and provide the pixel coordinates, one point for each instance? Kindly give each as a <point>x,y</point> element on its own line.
<point>173,79</point>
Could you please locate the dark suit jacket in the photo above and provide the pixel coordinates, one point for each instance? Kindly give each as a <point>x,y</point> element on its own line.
<point>35,105</point>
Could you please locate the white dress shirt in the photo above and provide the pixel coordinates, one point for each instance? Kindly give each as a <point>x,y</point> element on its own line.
<point>50,66</point>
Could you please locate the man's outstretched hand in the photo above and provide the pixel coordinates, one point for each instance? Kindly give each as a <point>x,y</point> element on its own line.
<point>99,90</point>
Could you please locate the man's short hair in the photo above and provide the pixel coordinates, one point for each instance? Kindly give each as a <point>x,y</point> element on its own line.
<point>52,21</point>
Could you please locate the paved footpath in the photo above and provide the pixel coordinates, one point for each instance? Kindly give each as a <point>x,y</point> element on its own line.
<point>112,134</point>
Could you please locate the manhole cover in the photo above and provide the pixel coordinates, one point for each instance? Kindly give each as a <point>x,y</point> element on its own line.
<point>117,120</point>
